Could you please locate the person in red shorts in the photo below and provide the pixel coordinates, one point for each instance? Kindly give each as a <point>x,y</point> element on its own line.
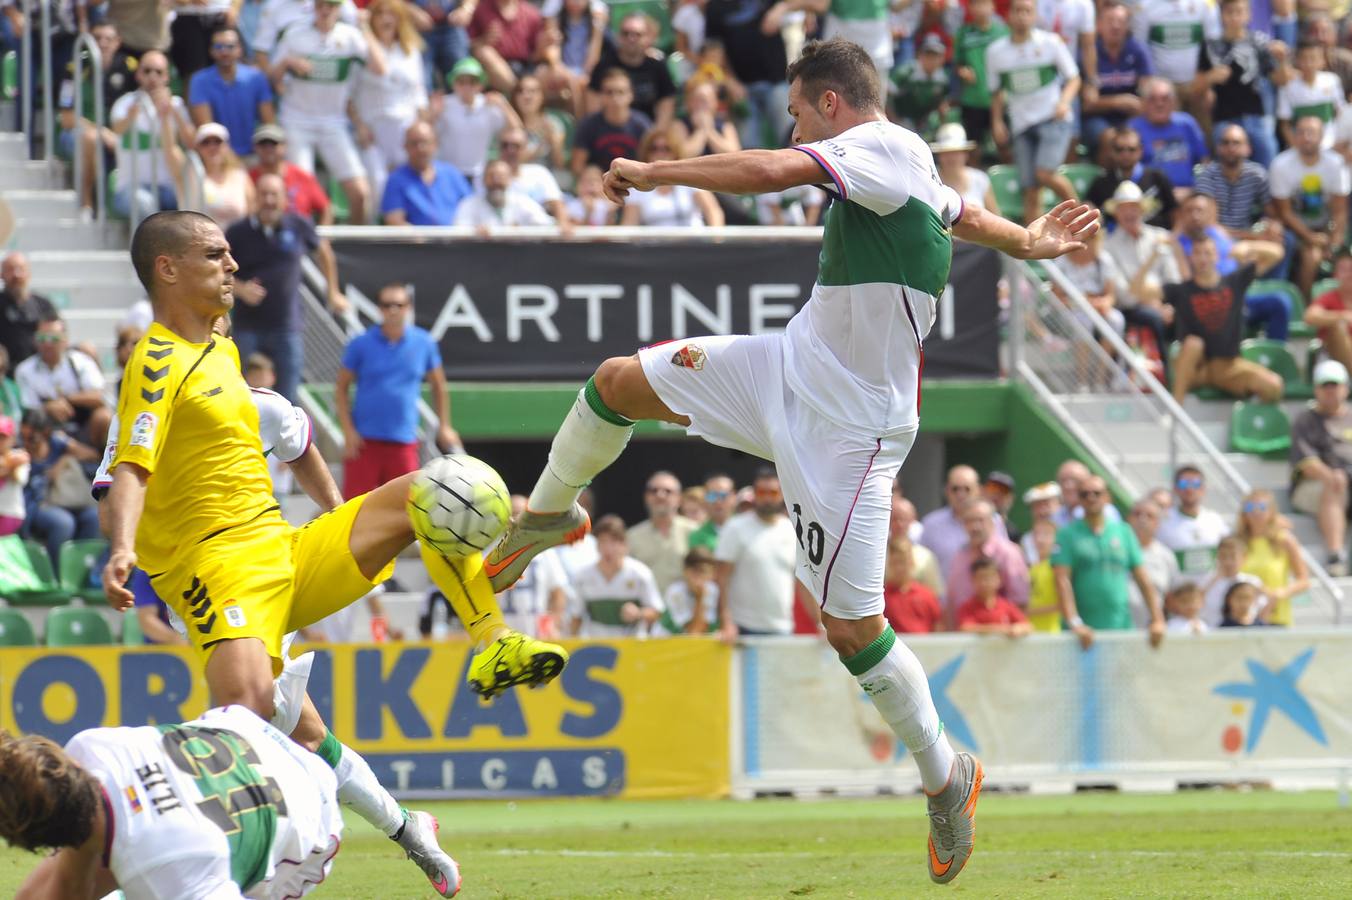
<point>389,363</point>
<point>987,612</point>
<point>909,606</point>
<point>1331,312</point>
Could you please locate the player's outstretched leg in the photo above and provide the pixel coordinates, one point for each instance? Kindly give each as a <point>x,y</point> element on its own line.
<point>895,681</point>
<point>415,832</point>
<point>591,438</point>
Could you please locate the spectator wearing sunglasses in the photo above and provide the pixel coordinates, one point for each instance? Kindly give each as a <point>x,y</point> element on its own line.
<point>236,95</point>
<point>720,502</point>
<point>1190,530</point>
<point>661,541</point>
<point>1321,455</point>
<point>1271,554</point>
<point>943,533</point>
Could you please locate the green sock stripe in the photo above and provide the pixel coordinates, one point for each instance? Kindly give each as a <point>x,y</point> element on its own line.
<point>599,407</point>
<point>873,654</point>
<point>330,750</point>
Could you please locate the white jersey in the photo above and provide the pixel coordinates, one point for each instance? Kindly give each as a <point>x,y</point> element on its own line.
<point>680,608</point>
<point>517,209</point>
<point>277,16</point>
<point>1192,538</point>
<point>320,97</point>
<point>763,556</point>
<point>400,94</point>
<point>854,352</point>
<point>1031,73</point>
<point>597,600</point>
<point>222,806</point>
<point>1309,187</point>
<point>526,602</point>
<point>1173,31</point>
<point>151,168</point>
<point>537,183</point>
<point>465,133</point>
<point>1324,100</point>
<point>1067,19</point>
<point>284,429</point>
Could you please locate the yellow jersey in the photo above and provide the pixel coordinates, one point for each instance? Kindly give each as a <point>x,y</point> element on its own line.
<point>185,415</point>
<point>1267,561</point>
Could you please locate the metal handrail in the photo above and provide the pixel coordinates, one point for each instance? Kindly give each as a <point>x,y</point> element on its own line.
<point>85,42</point>
<point>26,72</point>
<point>48,117</point>
<point>1176,419</point>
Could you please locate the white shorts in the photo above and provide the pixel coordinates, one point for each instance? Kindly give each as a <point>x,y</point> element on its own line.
<point>837,482</point>
<point>331,140</point>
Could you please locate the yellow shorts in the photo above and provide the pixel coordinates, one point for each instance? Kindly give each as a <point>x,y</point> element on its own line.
<point>266,579</point>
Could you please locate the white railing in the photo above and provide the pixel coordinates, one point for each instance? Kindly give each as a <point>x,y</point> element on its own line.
<point>1100,390</point>
<point>85,44</point>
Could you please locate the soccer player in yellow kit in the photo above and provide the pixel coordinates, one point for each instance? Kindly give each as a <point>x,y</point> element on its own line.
<point>191,502</point>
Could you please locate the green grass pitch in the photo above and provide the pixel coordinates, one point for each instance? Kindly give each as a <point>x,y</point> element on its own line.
<point>1196,844</point>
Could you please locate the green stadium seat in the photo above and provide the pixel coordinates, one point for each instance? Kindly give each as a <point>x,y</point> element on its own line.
<point>9,75</point>
<point>132,635</point>
<point>77,560</point>
<point>1273,286</point>
<point>15,630</point>
<point>1081,176</point>
<point>1274,355</point>
<point>341,213</point>
<point>26,577</point>
<point>1008,195</point>
<point>77,626</point>
<point>1259,428</point>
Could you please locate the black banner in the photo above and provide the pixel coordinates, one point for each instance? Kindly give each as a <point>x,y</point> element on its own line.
<point>513,311</point>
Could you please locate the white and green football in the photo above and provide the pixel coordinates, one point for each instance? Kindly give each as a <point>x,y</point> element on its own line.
<point>458,505</point>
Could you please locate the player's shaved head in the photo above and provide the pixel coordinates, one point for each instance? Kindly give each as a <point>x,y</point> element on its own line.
<point>46,799</point>
<point>837,65</point>
<point>163,234</point>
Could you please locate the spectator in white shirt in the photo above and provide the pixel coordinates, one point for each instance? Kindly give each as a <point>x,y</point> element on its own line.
<point>499,205</point>
<point>616,596</point>
<point>1147,257</point>
<point>1190,530</point>
<point>669,206</point>
<point>591,206</point>
<point>692,601</point>
<point>756,554</point>
<point>66,384</point>
<point>469,119</point>
<point>1159,562</point>
<point>531,179</point>
<point>138,121</point>
<point>385,105</point>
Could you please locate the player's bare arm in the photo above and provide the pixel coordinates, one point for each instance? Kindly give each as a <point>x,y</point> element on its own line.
<point>743,172</point>
<point>125,502</point>
<point>315,479</point>
<point>1066,228</point>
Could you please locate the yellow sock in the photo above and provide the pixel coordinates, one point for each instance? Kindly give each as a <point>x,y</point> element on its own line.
<point>468,589</point>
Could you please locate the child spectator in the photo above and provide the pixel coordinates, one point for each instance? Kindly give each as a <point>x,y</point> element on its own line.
<point>1227,573</point>
<point>692,600</point>
<point>920,88</point>
<point>1044,606</point>
<point>982,29</point>
<point>616,596</point>
<point>1183,605</point>
<point>13,477</point>
<point>1312,92</point>
<point>1242,602</point>
<point>1237,66</point>
<point>1272,554</point>
<point>591,206</point>
<point>987,612</point>
<point>909,606</point>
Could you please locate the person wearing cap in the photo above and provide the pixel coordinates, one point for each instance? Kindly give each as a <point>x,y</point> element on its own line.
<point>314,70</point>
<point>1043,502</point>
<point>227,191</point>
<point>654,91</point>
<point>920,87</point>
<point>1321,458</point>
<point>507,37</point>
<point>140,119</point>
<point>982,28</point>
<point>998,489</point>
<point>1124,164</point>
<point>1209,317</point>
<point>304,196</point>
<point>424,190</point>
<point>468,119</point>
<point>238,96</point>
<point>1031,74</point>
<point>1148,258</point>
<point>384,106</point>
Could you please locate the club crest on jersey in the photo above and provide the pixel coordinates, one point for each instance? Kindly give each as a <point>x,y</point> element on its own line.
<point>134,800</point>
<point>235,616</point>
<point>143,430</point>
<point>691,356</point>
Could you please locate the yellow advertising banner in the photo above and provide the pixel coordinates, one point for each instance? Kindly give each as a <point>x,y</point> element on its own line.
<point>627,717</point>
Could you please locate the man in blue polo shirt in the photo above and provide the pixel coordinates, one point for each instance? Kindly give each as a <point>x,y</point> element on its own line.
<point>1172,141</point>
<point>229,92</point>
<point>389,363</point>
<point>425,190</point>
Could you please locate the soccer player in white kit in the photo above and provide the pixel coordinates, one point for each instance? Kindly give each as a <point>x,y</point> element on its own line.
<point>220,807</point>
<point>834,401</point>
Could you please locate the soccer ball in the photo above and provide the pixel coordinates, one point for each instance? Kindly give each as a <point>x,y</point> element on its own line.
<point>458,505</point>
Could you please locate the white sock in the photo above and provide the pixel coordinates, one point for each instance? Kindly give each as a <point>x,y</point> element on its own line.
<point>590,438</point>
<point>895,681</point>
<point>358,788</point>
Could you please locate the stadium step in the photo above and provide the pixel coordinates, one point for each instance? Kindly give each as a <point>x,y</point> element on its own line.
<point>42,204</point>
<point>27,175</point>
<point>13,147</point>
<point>104,266</point>
<point>64,234</point>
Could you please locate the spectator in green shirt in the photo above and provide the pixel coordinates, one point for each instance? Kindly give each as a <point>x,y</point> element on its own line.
<point>969,62</point>
<point>920,88</point>
<point>1093,558</point>
<point>720,502</point>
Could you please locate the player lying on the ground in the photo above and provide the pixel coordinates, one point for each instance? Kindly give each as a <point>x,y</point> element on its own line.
<point>191,502</point>
<point>222,806</point>
<point>284,430</point>
<point>834,401</point>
